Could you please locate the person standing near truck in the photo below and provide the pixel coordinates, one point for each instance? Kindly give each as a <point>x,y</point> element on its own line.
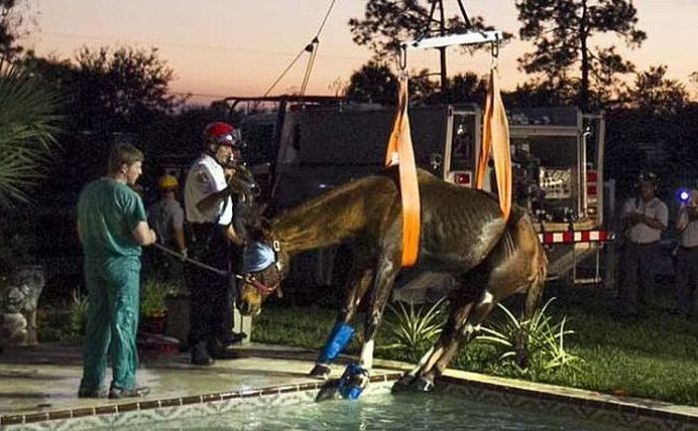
<point>687,255</point>
<point>645,217</point>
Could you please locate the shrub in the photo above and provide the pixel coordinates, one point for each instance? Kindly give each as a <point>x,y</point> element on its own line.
<point>412,329</point>
<point>544,339</point>
<point>78,316</point>
<point>153,294</point>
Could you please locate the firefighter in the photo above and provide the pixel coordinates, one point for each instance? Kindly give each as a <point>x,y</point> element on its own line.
<point>687,255</point>
<point>209,212</point>
<point>644,218</point>
<point>167,218</point>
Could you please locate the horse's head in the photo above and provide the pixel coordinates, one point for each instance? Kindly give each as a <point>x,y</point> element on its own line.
<point>264,265</point>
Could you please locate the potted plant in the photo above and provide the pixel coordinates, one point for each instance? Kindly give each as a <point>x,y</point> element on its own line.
<point>153,311</point>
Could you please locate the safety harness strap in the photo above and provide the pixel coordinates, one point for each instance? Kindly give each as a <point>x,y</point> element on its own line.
<point>495,139</point>
<point>400,153</point>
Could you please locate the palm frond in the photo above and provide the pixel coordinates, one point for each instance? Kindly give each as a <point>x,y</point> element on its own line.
<point>28,125</point>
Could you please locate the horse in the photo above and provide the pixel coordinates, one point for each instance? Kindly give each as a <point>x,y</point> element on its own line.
<point>463,233</point>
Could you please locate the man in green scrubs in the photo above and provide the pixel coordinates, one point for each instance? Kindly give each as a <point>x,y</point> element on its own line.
<point>112,227</point>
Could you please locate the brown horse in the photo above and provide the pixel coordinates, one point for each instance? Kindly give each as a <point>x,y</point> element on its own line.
<point>462,233</point>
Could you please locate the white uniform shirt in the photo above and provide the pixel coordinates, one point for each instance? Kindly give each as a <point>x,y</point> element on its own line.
<point>641,233</point>
<point>206,176</point>
<point>689,236</point>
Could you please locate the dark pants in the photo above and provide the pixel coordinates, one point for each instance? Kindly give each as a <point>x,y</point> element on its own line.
<point>686,278</point>
<point>637,266</point>
<point>211,296</point>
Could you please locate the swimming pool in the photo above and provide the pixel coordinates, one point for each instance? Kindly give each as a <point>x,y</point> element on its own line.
<point>385,411</point>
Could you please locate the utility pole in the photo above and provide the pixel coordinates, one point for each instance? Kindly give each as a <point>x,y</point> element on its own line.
<point>442,50</point>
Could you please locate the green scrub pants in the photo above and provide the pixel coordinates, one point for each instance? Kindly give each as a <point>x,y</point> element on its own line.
<point>113,285</point>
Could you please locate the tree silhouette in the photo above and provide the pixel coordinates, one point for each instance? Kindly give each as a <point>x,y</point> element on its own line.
<point>561,31</point>
<point>373,83</point>
<point>10,28</point>
<point>654,93</point>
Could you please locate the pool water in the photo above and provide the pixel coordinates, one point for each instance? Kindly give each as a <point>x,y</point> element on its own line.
<point>385,411</point>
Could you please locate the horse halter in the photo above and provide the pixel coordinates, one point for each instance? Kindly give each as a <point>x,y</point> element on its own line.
<point>262,288</point>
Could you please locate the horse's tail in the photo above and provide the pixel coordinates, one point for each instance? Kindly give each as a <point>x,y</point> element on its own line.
<point>536,281</point>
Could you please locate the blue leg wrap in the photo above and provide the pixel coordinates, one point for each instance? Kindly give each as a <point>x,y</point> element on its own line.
<point>339,339</point>
<point>353,381</point>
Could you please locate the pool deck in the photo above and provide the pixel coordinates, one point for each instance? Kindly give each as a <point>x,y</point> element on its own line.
<point>40,383</point>
<point>46,378</point>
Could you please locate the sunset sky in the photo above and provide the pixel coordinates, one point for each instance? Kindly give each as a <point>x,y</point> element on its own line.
<point>220,48</point>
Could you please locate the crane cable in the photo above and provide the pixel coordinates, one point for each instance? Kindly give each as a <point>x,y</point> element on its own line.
<point>312,49</point>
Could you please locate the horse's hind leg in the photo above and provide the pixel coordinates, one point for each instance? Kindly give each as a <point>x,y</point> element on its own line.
<point>358,282</point>
<point>464,321</point>
<point>459,311</point>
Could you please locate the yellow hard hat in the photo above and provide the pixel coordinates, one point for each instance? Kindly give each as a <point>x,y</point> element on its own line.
<point>168,182</point>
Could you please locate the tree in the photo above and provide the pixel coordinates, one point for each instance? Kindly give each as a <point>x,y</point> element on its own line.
<point>373,83</point>
<point>561,31</point>
<point>10,28</point>
<point>124,88</point>
<point>388,23</point>
<point>654,93</point>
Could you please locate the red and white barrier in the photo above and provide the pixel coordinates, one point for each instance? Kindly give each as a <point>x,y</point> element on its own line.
<point>570,237</point>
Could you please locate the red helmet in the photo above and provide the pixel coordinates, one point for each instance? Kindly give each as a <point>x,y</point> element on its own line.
<point>220,133</point>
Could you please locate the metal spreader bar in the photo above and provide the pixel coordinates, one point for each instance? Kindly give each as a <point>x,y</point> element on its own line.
<point>469,38</point>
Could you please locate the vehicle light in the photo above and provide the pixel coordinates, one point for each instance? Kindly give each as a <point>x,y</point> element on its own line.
<point>462,178</point>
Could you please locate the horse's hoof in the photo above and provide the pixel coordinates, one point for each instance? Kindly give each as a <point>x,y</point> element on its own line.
<point>321,371</point>
<point>403,384</point>
<point>423,384</point>
<point>329,391</point>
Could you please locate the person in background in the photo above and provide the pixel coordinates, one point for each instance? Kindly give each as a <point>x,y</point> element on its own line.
<point>209,212</point>
<point>644,217</point>
<point>687,255</point>
<point>112,227</point>
<point>167,218</point>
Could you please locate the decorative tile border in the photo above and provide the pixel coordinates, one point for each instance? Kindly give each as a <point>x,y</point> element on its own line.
<point>133,413</point>
<point>611,411</point>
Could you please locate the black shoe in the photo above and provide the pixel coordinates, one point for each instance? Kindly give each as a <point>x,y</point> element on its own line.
<point>92,393</point>
<point>200,356</point>
<point>116,393</point>
<point>237,337</point>
<point>224,351</point>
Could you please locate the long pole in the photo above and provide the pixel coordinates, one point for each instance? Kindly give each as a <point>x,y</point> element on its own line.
<point>442,50</point>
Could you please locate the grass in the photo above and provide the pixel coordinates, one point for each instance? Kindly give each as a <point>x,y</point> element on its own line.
<point>652,357</point>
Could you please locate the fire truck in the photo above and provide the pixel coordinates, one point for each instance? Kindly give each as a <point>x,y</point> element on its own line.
<point>304,148</point>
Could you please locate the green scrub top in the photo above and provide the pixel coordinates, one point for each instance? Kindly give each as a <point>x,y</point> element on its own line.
<point>108,212</point>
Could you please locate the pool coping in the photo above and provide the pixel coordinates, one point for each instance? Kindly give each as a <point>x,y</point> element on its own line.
<point>636,413</point>
<point>639,413</point>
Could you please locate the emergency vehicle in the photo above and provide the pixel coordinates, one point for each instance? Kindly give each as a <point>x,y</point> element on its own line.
<point>308,146</point>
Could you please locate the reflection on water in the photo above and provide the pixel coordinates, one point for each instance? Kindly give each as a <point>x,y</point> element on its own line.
<point>403,412</point>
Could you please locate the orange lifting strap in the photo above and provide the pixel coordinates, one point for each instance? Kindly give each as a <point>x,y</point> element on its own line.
<point>400,152</point>
<point>495,138</point>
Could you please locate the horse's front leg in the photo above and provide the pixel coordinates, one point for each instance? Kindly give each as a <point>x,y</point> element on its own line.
<point>358,282</point>
<point>388,267</point>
